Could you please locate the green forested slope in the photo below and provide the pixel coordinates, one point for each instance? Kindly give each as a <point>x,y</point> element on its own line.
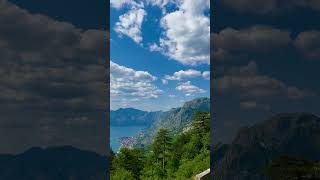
<point>169,156</point>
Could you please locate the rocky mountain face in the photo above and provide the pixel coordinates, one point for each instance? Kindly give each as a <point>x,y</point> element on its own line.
<point>132,117</point>
<point>176,119</point>
<point>63,163</point>
<point>253,149</point>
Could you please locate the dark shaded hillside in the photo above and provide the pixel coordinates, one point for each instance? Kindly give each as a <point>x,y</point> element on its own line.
<point>132,117</point>
<point>293,168</point>
<point>177,119</point>
<point>59,163</point>
<point>254,148</point>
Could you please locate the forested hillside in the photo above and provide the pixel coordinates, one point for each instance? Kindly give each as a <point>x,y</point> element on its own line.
<point>175,120</point>
<point>169,156</point>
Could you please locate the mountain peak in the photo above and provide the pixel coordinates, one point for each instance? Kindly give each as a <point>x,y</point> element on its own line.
<point>176,119</point>
<point>127,109</point>
<point>291,134</point>
<point>197,103</point>
<point>198,100</point>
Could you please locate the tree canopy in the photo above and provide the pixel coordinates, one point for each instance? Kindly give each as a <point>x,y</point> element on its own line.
<point>170,156</point>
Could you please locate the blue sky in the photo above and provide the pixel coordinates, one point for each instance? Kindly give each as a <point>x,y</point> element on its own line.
<point>159,52</point>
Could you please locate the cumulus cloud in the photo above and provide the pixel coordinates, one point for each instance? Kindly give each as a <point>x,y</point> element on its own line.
<point>154,47</point>
<point>129,83</point>
<point>231,42</point>
<point>206,75</point>
<point>248,83</point>
<point>255,86</point>
<point>308,43</point>
<point>190,73</point>
<point>160,3</point>
<point>255,90</point>
<point>164,81</point>
<point>186,36</point>
<point>49,69</point>
<point>189,89</point>
<point>186,31</point>
<point>121,3</point>
<point>185,74</point>
<point>271,7</point>
<point>43,53</point>
<point>130,74</point>
<point>130,23</point>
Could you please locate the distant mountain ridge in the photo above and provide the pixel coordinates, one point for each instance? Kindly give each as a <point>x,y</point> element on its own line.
<point>292,134</point>
<point>63,163</point>
<point>132,117</point>
<point>176,119</point>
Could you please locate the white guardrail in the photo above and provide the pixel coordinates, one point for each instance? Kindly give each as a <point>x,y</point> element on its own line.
<point>205,175</point>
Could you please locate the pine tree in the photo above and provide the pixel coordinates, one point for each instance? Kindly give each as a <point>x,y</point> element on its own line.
<point>201,122</point>
<point>161,148</point>
<point>130,160</point>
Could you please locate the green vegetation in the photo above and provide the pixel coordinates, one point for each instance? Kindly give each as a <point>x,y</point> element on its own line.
<point>168,157</point>
<point>175,120</point>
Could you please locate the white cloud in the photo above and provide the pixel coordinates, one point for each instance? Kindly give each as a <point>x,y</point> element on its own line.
<point>131,84</point>
<point>48,64</point>
<point>190,73</point>
<point>154,47</point>
<point>232,43</point>
<point>308,43</point>
<point>187,33</point>
<point>206,75</point>
<point>189,89</point>
<point>130,23</point>
<point>160,3</point>
<point>270,7</point>
<point>164,81</point>
<point>131,74</point>
<point>119,3</point>
<point>248,82</point>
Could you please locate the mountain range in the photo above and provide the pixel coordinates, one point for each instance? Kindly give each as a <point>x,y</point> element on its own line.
<point>63,163</point>
<point>254,148</point>
<point>246,158</point>
<point>175,120</point>
<point>132,117</point>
